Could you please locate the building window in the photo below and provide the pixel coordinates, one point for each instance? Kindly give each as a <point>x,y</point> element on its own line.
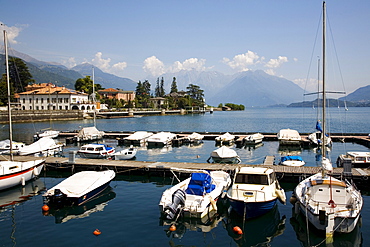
<point>66,107</point>
<point>37,107</point>
<point>66,100</point>
<point>24,101</point>
<point>60,107</point>
<point>42,107</point>
<point>37,100</point>
<point>42,100</point>
<point>30,100</point>
<point>54,100</point>
<point>48,100</point>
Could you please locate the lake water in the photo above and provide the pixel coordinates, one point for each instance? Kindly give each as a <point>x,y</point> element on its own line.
<point>129,215</point>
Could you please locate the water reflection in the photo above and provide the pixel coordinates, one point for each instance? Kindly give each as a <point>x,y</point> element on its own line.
<point>256,232</point>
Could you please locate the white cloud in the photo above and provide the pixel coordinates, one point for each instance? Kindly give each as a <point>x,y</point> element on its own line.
<point>242,62</point>
<point>154,66</point>
<point>118,67</point>
<point>100,62</point>
<point>12,32</point>
<point>275,63</point>
<point>309,85</point>
<point>70,62</point>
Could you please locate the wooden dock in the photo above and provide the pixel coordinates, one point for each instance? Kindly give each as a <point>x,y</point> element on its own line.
<point>161,169</point>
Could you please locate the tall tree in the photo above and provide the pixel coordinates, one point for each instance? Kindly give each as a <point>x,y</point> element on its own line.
<point>157,91</point>
<point>19,75</point>
<point>86,85</point>
<point>196,94</point>
<point>161,88</point>
<point>173,86</point>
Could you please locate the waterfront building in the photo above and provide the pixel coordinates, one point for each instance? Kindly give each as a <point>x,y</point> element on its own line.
<point>112,93</point>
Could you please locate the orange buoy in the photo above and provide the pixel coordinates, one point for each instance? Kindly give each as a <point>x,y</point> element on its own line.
<point>237,230</point>
<point>45,208</point>
<point>172,228</point>
<point>97,232</point>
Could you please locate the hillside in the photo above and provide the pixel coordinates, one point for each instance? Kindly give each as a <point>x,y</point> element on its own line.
<point>361,95</point>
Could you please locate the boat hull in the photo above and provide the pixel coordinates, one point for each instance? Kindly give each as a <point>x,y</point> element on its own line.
<point>17,178</point>
<point>252,209</point>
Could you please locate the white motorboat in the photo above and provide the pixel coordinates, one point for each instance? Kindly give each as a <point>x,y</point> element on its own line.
<point>13,173</point>
<point>195,197</point>
<point>292,160</point>
<point>357,159</point>
<point>96,151</point>
<point>224,155</point>
<point>289,137</point>
<point>137,138</point>
<point>88,134</point>
<point>253,139</point>
<point>254,191</point>
<point>44,147</point>
<point>125,154</point>
<point>225,139</point>
<point>194,138</point>
<point>328,203</point>
<point>5,146</point>
<point>79,188</point>
<point>161,139</point>
<point>46,133</point>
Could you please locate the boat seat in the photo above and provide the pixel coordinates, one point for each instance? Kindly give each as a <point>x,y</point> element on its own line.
<point>200,183</point>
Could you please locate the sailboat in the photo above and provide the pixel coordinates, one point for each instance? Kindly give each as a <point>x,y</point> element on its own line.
<point>13,173</point>
<point>90,133</point>
<point>328,203</point>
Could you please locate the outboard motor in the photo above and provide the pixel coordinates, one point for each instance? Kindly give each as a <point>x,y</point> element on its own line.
<point>178,202</point>
<point>58,198</point>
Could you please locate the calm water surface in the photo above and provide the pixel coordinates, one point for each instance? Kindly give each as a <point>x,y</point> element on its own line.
<point>129,215</point>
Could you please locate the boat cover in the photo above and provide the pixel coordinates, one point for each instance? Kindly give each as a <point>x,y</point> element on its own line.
<point>83,182</point>
<point>285,158</point>
<point>43,144</point>
<point>200,183</point>
<point>224,152</point>
<point>87,132</point>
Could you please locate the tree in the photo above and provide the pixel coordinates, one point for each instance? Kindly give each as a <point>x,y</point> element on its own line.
<point>19,75</point>
<point>196,94</point>
<point>161,88</point>
<point>4,91</point>
<point>173,86</point>
<point>142,94</point>
<point>86,85</point>
<point>157,92</point>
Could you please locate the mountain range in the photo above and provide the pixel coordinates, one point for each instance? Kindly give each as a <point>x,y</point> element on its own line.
<point>249,88</point>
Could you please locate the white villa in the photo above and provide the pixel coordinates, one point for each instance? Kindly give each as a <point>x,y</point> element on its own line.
<point>47,96</point>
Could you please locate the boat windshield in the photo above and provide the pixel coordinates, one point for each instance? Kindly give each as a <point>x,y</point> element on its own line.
<point>251,179</point>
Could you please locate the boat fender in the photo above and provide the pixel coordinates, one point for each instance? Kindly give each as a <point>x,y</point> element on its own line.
<point>36,171</point>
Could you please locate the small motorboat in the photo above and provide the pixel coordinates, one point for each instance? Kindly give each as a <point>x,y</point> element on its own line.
<point>46,133</point>
<point>253,139</point>
<point>161,139</point>
<point>225,139</point>
<point>254,191</point>
<point>125,154</point>
<point>289,137</point>
<point>96,151</point>
<point>5,146</point>
<point>88,134</point>
<point>44,147</point>
<point>224,155</point>
<point>357,159</point>
<point>194,138</point>
<point>78,189</point>
<point>291,160</point>
<point>137,138</point>
<point>195,197</point>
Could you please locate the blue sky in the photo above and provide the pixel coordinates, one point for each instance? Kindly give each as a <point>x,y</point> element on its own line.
<point>135,39</point>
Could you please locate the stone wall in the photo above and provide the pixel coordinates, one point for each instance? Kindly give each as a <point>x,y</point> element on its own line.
<point>30,116</point>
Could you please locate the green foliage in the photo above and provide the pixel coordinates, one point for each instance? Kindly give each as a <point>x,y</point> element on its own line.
<point>173,86</point>
<point>159,90</point>
<point>235,107</point>
<point>86,85</point>
<point>196,95</point>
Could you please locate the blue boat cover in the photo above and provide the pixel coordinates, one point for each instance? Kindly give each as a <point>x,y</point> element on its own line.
<point>285,158</point>
<point>200,183</point>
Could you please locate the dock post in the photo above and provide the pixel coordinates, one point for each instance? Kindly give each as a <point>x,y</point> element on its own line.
<point>72,157</point>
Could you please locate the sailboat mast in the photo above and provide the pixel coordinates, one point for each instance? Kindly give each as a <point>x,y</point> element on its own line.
<point>93,93</point>
<point>9,95</point>
<point>323,79</point>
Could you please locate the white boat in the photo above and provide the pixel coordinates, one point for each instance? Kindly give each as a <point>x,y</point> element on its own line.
<point>5,146</point>
<point>137,138</point>
<point>357,159</point>
<point>253,139</point>
<point>89,134</point>
<point>328,203</point>
<point>46,133</point>
<point>44,147</point>
<point>125,154</point>
<point>289,137</point>
<point>78,188</point>
<point>224,155</point>
<point>316,137</point>
<point>161,139</point>
<point>255,191</point>
<point>13,173</point>
<point>292,160</point>
<point>195,197</point>
<point>225,139</point>
<point>96,151</point>
<point>195,138</point>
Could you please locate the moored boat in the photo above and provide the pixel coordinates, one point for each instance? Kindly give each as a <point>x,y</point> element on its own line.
<point>357,159</point>
<point>96,151</point>
<point>253,139</point>
<point>195,197</point>
<point>88,134</point>
<point>137,138</point>
<point>161,139</point>
<point>43,147</point>
<point>5,146</point>
<point>254,191</point>
<point>224,155</point>
<point>78,189</point>
<point>194,138</point>
<point>289,137</point>
<point>292,160</point>
<point>125,154</point>
<point>225,139</point>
